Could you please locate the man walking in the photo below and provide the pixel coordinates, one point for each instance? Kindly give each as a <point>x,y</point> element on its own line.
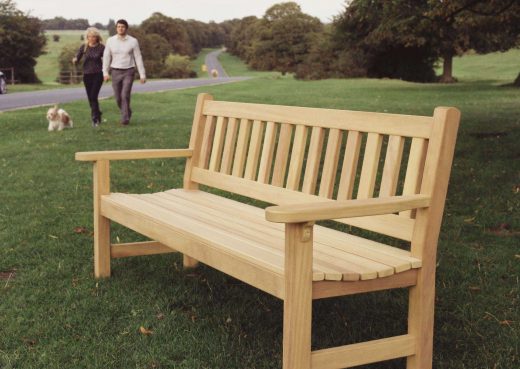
<point>121,56</point>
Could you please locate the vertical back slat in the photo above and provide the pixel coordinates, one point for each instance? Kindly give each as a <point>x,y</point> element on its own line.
<point>313,160</point>
<point>350,163</point>
<point>218,144</point>
<point>241,151</point>
<point>330,165</point>
<point>266,160</point>
<point>282,154</point>
<point>394,154</point>
<point>229,146</point>
<point>367,180</point>
<point>414,170</point>
<point>253,154</point>
<point>197,135</point>
<point>297,154</point>
<point>205,150</point>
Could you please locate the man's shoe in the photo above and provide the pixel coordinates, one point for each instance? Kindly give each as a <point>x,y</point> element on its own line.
<point>124,123</point>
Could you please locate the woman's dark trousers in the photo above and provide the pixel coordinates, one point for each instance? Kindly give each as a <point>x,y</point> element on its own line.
<point>93,83</point>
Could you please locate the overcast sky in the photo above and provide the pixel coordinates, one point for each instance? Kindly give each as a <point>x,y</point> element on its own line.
<point>135,11</point>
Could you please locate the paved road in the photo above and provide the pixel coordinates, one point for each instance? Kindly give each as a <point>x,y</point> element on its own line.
<point>21,100</point>
<point>213,63</point>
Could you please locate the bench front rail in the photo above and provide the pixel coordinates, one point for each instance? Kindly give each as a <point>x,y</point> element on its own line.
<point>311,164</point>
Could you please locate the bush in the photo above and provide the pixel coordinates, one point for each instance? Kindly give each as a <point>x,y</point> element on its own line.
<point>68,73</point>
<point>177,66</point>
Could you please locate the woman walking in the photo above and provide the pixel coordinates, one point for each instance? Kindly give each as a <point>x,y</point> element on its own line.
<point>92,50</point>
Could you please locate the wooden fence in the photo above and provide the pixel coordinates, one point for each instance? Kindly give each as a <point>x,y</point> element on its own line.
<point>70,77</point>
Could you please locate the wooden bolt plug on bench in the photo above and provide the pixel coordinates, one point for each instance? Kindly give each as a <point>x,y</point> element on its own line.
<point>312,164</point>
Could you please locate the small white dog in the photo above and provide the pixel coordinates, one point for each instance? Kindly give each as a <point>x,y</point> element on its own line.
<point>58,119</point>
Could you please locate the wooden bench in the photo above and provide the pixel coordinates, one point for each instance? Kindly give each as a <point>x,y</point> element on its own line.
<point>312,164</point>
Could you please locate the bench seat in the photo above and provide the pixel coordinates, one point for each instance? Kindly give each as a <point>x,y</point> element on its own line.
<point>241,231</point>
<point>382,173</point>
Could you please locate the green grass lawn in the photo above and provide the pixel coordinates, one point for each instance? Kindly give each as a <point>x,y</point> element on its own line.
<point>47,64</point>
<point>54,314</point>
<point>497,67</point>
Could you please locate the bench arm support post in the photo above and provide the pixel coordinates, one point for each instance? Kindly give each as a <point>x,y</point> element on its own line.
<point>101,224</point>
<point>101,183</point>
<point>298,296</point>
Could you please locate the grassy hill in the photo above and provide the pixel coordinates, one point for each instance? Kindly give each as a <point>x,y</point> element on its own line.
<point>47,64</point>
<point>497,67</point>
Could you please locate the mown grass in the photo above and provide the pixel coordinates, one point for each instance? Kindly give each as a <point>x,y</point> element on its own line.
<point>54,314</point>
<point>498,67</point>
<point>236,68</point>
<point>47,64</point>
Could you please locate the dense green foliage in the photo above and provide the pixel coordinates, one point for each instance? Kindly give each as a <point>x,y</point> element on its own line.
<point>283,37</point>
<point>21,41</point>
<point>279,41</point>
<point>60,23</point>
<point>162,37</point>
<point>178,66</point>
<point>404,38</point>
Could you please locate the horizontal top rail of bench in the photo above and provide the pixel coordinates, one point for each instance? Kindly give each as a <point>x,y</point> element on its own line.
<point>133,154</point>
<point>382,123</point>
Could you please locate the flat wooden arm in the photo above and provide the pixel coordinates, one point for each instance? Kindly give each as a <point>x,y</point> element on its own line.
<point>309,212</point>
<point>133,154</point>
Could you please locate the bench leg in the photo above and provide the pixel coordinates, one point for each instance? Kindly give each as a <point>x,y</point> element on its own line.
<point>297,314</point>
<point>420,320</point>
<point>189,262</point>
<point>101,224</point>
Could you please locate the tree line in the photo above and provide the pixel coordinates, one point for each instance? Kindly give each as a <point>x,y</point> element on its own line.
<point>402,39</point>
<point>377,38</point>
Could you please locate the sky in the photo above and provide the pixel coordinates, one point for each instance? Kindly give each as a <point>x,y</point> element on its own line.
<point>135,11</point>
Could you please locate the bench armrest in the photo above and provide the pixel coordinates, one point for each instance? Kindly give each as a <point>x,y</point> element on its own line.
<point>309,212</point>
<point>133,154</point>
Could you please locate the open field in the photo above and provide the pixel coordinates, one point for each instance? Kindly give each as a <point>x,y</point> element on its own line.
<point>500,67</point>
<point>47,64</point>
<point>53,314</point>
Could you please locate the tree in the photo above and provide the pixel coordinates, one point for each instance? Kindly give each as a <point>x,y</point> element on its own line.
<point>68,71</point>
<point>21,41</point>
<point>241,37</point>
<point>284,37</point>
<point>387,39</point>
<point>427,30</point>
<point>111,27</point>
<point>154,49</point>
<point>60,23</point>
<point>482,25</point>
<point>172,30</point>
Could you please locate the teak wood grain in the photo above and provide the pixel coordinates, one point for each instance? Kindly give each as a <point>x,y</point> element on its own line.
<point>310,164</point>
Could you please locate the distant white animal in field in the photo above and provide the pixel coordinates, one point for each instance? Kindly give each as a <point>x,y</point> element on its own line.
<point>58,119</point>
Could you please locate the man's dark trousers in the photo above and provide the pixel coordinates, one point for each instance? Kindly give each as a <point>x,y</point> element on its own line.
<point>122,81</point>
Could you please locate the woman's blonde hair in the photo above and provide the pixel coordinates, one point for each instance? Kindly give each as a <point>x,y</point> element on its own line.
<point>92,31</point>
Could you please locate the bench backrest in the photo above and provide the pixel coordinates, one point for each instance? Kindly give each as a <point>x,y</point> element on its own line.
<point>286,154</point>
